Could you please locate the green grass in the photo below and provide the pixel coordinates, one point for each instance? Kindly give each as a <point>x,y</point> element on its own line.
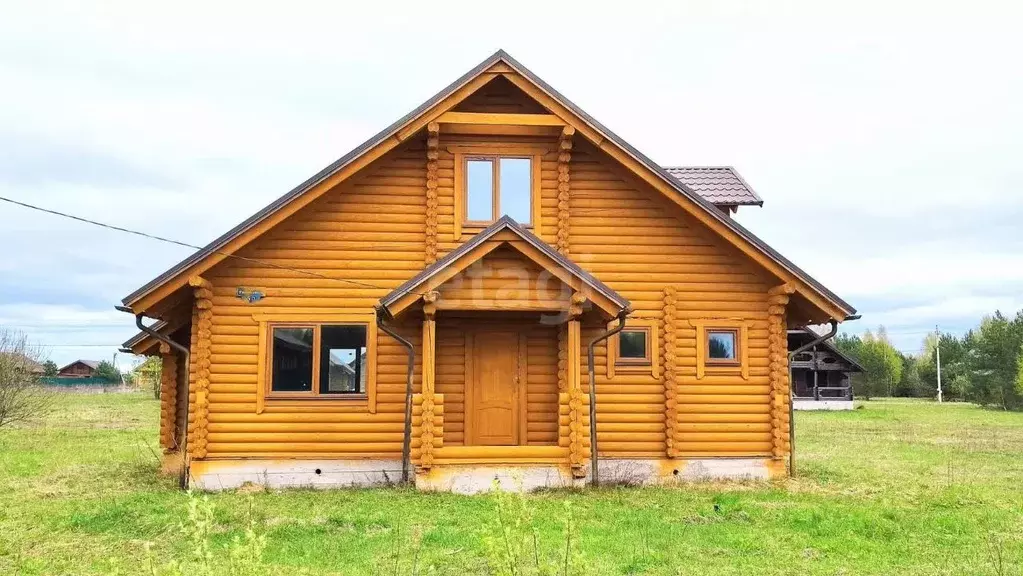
<point>897,487</point>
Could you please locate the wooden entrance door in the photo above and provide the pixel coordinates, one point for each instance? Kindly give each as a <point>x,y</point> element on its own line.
<point>493,409</point>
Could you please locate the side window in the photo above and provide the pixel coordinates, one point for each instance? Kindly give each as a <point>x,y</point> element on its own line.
<point>722,346</point>
<point>634,350</point>
<point>292,359</point>
<point>343,360</point>
<point>319,360</point>
<point>633,347</point>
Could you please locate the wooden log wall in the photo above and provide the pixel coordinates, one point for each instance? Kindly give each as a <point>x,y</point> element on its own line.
<point>168,398</point>
<point>373,232</point>
<point>781,395</point>
<point>669,376</point>
<point>432,166</point>
<point>201,358</point>
<point>366,237</point>
<point>628,237</point>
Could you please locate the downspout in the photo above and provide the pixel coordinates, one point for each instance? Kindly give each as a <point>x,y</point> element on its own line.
<point>406,443</point>
<point>792,421</point>
<point>594,478</point>
<point>183,478</point>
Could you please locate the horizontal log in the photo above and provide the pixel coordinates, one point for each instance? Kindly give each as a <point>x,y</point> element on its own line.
<point>509,452</point>
<point>304,447</point>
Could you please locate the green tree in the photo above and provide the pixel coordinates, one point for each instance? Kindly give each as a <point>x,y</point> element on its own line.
<point>882,364</point>
<point>50,369</point>
<point>994,362</point>
<point>955,366</point>
<point>1019,377</point>
<point>909,385</point>
<point>107,371</point>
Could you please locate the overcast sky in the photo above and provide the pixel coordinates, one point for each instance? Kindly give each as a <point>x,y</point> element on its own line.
<point>885,141</point>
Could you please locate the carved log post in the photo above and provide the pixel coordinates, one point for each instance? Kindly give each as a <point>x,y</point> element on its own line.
<point>578,402</point>
<point>777,345</point>
<point>429,375</point>
<point>668,376</point>
<point>168,398</point>
<point>562,244</point>
<point>203,318</point>
<point>564,188</point>
<point>432,158</point>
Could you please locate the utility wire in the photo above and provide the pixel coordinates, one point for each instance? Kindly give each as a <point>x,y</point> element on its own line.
<point>185,244</point>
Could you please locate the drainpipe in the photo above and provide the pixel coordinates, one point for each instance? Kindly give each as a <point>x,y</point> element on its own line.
<point>595,479</point>
<point>183,478</point>
<point>406,443</point>
<point>792,421</point>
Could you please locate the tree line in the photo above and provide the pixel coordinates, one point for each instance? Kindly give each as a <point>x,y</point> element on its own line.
<point>984,366</point>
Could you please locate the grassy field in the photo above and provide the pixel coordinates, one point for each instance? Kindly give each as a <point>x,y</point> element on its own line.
<point>897,487</point>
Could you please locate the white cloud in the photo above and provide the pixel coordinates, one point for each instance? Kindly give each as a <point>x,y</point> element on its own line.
<point>884,137</point>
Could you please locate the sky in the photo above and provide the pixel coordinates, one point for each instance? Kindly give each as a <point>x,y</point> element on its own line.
<point>885,138</point>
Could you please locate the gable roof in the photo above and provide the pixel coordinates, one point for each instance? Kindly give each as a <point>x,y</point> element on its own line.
<point>718,184</point>
<point>505,223</point>
<point>801,337</point>
<point>90,363</point>
<point>395,130</point>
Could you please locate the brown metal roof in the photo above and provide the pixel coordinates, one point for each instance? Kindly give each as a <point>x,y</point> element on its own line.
<point>717,184</point>
<point>499,56</point>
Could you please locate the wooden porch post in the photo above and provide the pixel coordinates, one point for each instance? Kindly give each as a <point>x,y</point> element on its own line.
<point>578,431</point>
<point>429,374</point>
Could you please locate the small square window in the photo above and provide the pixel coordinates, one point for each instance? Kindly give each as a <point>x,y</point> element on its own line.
<point>633,346</point>
<point>722,347</point>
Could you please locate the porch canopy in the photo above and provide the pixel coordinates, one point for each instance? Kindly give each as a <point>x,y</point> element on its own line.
<point>507,301</point>
<point>546,282</point>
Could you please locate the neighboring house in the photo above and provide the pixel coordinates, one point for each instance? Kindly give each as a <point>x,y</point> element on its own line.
<point>499,230</point>
<point>79,369</point>
<point>821,375</point>
<point>24,362</point>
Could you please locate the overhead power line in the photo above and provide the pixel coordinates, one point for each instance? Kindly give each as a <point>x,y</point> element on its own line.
<point>184,244</point>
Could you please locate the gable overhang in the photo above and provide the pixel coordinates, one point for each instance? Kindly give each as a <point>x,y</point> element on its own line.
<point>499,64</point>
<point>504,232</point>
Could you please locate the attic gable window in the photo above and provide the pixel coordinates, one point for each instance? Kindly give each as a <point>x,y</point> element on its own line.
<point>497,186</point>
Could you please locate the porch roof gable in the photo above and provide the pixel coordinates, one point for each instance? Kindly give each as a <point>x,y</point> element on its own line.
<point>470,251</point>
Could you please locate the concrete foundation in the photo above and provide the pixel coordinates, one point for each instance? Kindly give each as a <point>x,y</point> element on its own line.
<point>822,404</point>
<point>216,475</point>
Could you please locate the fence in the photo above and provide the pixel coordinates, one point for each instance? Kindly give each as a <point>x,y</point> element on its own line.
<point>94,385</point>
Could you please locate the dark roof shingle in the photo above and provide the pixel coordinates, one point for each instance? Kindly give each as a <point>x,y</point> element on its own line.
<point>717,184</point>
